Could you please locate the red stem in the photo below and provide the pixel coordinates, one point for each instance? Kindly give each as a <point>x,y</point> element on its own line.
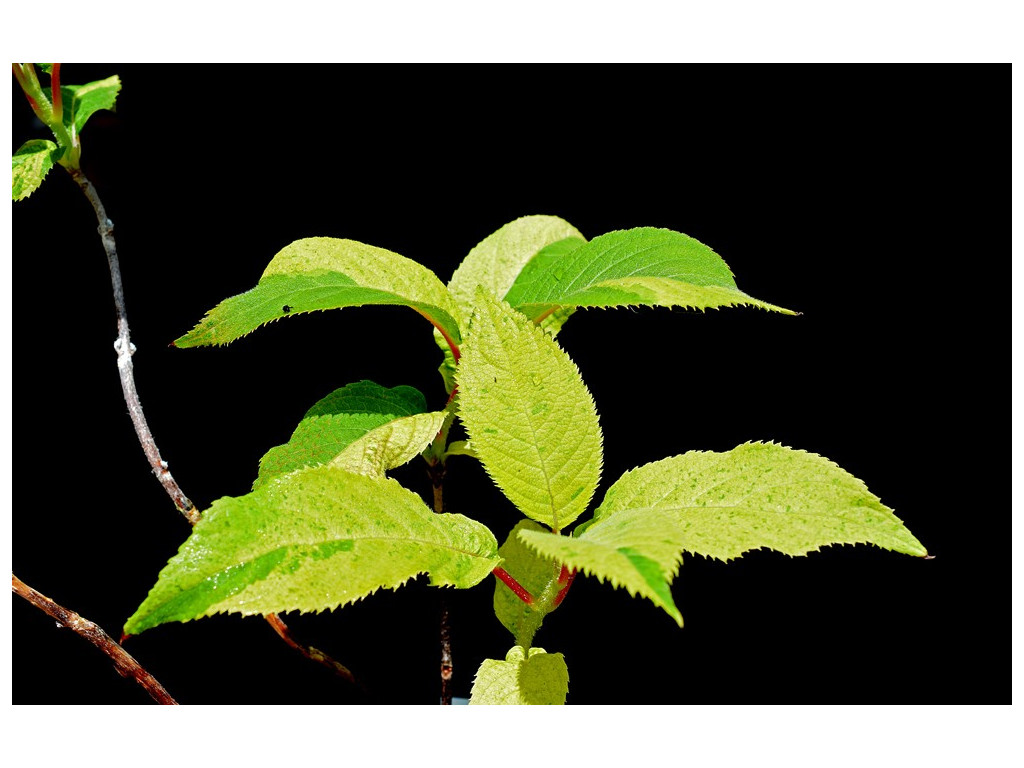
<point>448,339</point>
<point>19,75</point>
<point>565,576</point>
<point>537,320</point>
<point>514,585</point>
<point>55,97</point>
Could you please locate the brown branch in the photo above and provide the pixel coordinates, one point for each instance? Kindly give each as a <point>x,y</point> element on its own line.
<point>125,349</point>
<point>124,663</point>
<point>311,653</point>
<point>436,470</point>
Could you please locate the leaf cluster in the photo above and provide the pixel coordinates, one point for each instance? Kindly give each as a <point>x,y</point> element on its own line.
<point>65,112</point>
<point>325,526</point>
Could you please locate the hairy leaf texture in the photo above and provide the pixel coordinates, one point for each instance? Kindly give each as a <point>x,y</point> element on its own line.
<point>721,505</point>
<point>311,541</point>
<point>326,273</point>
<point>530,418</point>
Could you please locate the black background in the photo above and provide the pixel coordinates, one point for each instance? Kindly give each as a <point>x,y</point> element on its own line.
<point>872,199</point>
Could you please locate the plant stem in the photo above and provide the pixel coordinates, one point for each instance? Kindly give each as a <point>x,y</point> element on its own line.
<point>565,577</point>
<point>311,653</point>
<point>518,589</point>
<point>125,664</point>
<point>125,349</point>
<point>436,470</point>
<point>55,95</point>
<point>52,117</point>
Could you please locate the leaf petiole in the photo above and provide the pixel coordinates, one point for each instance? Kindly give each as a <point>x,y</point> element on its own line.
<point>518,589</point>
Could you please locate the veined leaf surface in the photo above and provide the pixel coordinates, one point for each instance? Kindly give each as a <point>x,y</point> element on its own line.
<point>390,445</point>
<point>335,422</point>
<point>326,273</point>
<point>82,101</point>
<point>530,418</point>
<point>721,505</point>
<point>642,266</point>
<point>311,541</point>
<point>534,677</point>
<point>29,166</point>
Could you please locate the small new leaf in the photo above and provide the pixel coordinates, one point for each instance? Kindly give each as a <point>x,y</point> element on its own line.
<point>537,677</point>
<point>530,417</point>
<point>326,273</point>
<point>721,505</point>
<point>642,266</point>
<point>312,541</point>
<point>82,101</point>
<point>29,166</point>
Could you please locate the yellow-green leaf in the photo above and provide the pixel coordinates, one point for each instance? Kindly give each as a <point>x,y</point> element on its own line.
<point>390,445</point>
<point>495,263</point>
<point>721,505</point>
<point>534,677</point>
<point>335,422</point>
<point>530,418</point>
<point>327,273</point>
<point>29,166</point>
<point>313,540</point>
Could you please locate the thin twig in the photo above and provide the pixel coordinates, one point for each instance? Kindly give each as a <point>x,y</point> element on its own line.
<point>437,473</point>
<point>311,653</point>
<point>125,664</point>
<point>125,349</point>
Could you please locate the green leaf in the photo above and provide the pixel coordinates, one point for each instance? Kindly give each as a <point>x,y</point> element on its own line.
<point>643,266</point>
<point>529,416</point>
<point>29,166</point>
<point>390,445</point>
<point>47,68</point>
<point>721,505</point>
<point>535,678</point>
<point>326,273</point>
<point>499,258</point>
<point>496,262</point>
<point>369,397</point>
<point>553,322</point>
<point>335,422</point>
<point>82,101</point>
<point>534,573</point>
<point>312,541</point>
